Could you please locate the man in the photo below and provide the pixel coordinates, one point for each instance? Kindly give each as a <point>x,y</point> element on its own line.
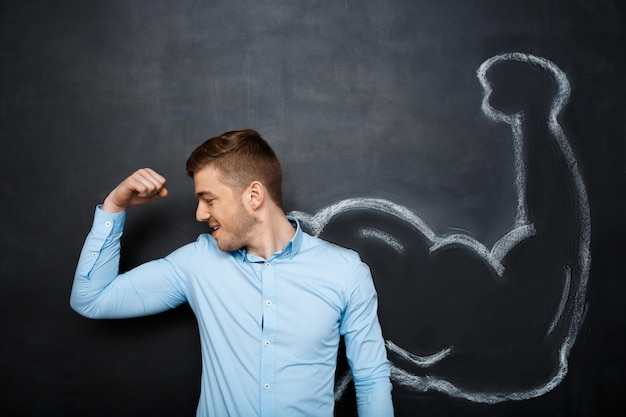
<point>271,301</point>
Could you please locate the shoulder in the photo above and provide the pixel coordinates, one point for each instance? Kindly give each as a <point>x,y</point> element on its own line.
<point>204,247</point>
<point>328,250</point>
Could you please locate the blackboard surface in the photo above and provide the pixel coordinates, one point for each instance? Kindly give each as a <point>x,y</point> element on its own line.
<point>471,151</point>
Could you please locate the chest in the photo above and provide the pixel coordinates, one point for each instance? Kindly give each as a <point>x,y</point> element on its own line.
<point>297,310</point>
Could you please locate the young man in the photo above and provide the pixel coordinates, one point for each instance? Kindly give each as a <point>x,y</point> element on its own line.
<point>271,301</point>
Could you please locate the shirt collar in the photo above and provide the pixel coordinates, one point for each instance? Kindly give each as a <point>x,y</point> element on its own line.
<point>289,250</point>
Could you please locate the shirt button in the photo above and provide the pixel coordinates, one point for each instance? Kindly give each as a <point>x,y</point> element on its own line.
<point>107,224</point>
<point>267,343</point>
<point>267,265</point>
<point>268,302</point>
<point>266,386</point>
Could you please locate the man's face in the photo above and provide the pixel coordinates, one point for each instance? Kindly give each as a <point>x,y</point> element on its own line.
<point>231,222</point>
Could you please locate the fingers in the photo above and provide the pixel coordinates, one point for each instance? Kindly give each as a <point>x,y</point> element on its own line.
<point>147,183</point>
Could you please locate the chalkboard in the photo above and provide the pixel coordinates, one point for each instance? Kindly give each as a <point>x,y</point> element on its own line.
<point>471,151</point>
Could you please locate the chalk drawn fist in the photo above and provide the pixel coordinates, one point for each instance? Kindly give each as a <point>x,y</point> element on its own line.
<point>487,324</point>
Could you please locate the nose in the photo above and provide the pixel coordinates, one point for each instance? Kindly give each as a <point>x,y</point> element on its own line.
<point>202,213</point>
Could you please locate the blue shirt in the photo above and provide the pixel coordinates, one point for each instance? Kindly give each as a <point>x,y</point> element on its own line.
<point>269,328</point>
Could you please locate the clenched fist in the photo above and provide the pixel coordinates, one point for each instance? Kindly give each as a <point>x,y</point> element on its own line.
<point>143,186</point>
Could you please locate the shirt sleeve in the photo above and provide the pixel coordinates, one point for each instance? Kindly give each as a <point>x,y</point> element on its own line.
<point>365,347</point>
<point>100,291</point>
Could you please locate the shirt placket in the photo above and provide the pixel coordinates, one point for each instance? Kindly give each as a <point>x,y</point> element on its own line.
<point>268,338</point>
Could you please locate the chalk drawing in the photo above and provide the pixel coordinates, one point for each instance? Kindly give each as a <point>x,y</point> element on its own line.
<point>423,361</point>
<point>384,236</point>
<point>572,298</point>
<point>564,297</point>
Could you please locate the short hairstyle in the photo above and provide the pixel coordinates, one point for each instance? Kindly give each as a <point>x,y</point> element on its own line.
<point>240,157</point>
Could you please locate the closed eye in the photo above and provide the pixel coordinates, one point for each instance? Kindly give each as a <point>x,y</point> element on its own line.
<point>206,197</point>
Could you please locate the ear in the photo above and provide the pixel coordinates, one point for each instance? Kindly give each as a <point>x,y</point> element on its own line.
<point>255,195</point>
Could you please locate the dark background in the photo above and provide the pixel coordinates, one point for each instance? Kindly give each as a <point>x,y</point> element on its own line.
<point>359,99</point>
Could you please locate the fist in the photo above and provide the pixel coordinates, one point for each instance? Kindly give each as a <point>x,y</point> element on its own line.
<point>143,186</point>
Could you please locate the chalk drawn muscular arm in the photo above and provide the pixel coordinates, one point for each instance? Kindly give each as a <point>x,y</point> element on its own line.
<point>481,315</point>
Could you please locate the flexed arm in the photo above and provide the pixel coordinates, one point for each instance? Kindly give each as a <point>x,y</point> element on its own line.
<point>99,290</point>
<point>509,314</point>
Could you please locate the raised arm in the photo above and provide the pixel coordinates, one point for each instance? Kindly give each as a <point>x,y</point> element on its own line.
<point>99,290</point>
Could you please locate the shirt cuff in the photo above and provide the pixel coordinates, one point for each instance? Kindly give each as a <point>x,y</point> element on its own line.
<point>109,223</point>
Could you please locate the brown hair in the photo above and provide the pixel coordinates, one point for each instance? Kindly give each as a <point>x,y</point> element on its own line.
<point>241,157</point>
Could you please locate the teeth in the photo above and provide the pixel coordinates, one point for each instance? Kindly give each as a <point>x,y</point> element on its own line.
<point>214,228</point>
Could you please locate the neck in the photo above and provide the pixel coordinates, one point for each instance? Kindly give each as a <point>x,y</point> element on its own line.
<point>274,231</point>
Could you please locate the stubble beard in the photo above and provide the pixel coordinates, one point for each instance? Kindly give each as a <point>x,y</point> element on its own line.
<point>244,226</point>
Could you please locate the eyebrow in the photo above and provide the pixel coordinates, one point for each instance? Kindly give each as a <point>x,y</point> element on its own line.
<point>205,194</point>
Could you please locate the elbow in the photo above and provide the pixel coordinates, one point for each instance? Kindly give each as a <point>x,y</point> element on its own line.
<point>82,306</point>
<point>88,313</point>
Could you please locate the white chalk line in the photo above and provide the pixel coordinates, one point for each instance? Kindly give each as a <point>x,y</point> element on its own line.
<point>431,383</point>
<point>422,361</point>
<point>371,232</point>
<point>567,283</point>
<point>317,222</point>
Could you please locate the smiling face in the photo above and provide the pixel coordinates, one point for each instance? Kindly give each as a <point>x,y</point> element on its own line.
<point>222,207</point>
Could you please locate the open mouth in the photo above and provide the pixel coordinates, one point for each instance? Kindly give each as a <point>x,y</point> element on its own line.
<point>213,229</point>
